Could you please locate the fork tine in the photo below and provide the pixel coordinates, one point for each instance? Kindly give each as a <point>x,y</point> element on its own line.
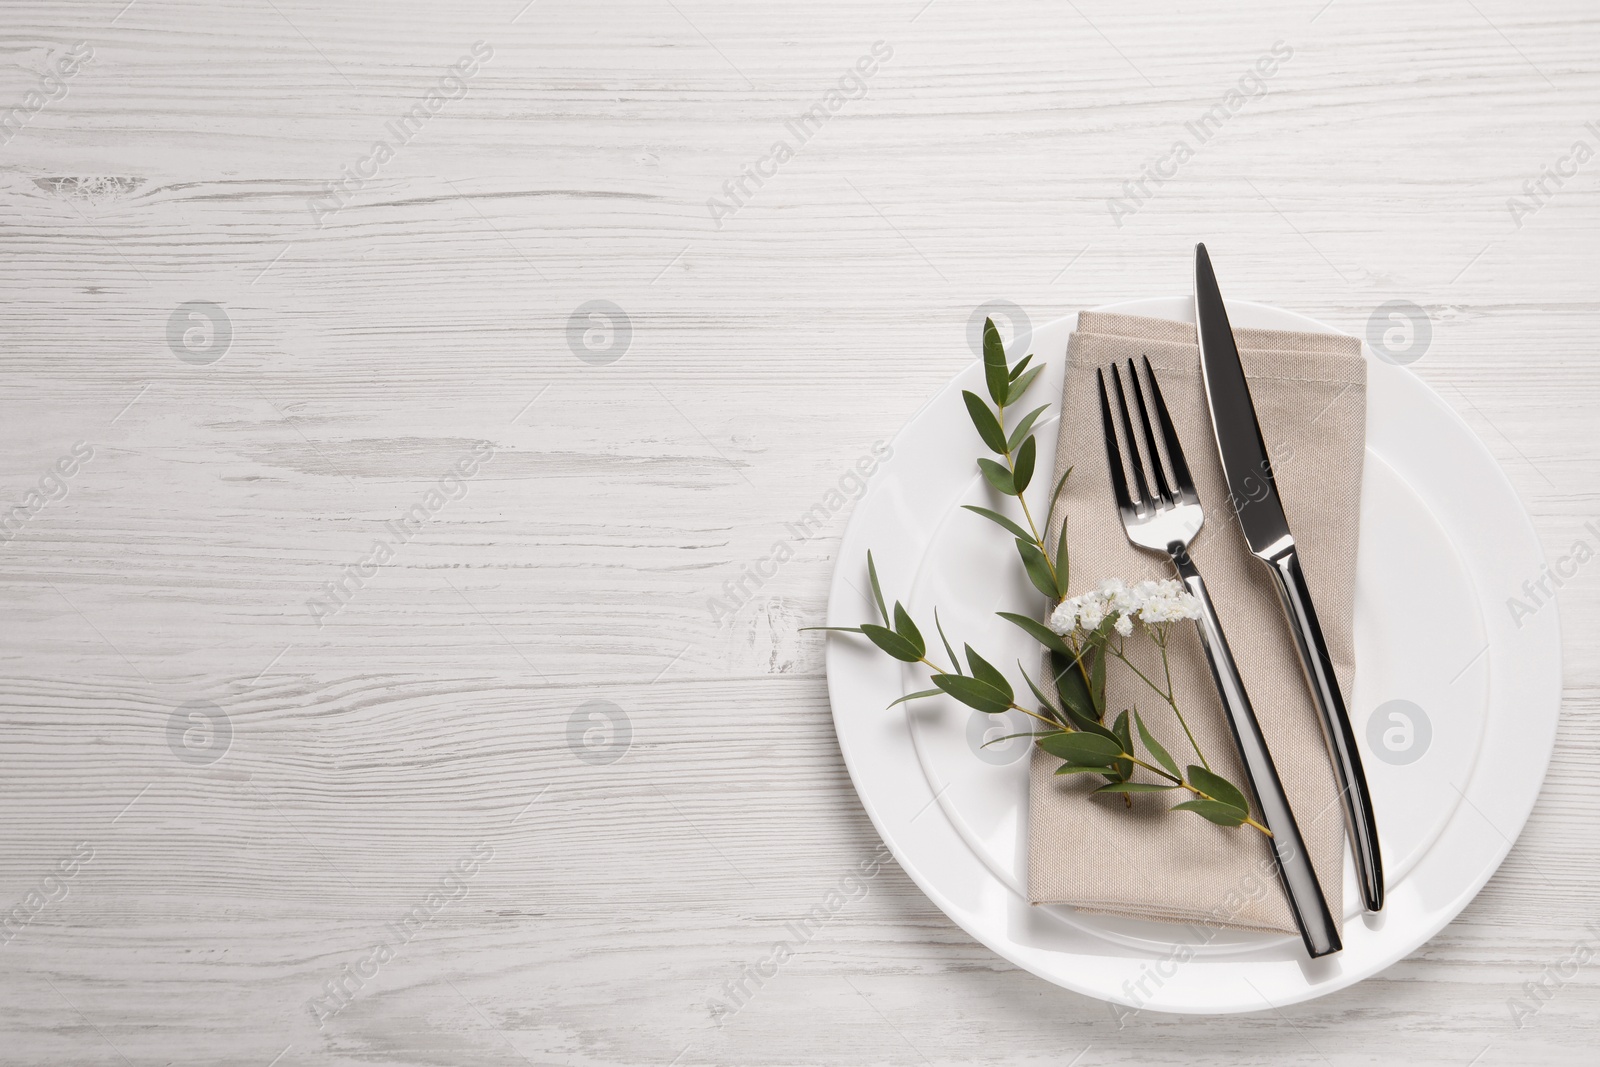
<point>1145,497</point>
<point>1162,488</point>
<point>1169,436</point>
<point>1119,480</point>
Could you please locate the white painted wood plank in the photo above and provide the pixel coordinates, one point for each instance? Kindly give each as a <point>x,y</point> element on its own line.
<point>370,754</point>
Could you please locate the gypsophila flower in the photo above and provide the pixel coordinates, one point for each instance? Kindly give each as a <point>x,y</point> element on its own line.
<point>1150,602</point>
<point>1168,601</point>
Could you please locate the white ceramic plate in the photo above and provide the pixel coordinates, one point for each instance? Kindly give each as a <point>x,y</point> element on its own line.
<point>1456,704</point>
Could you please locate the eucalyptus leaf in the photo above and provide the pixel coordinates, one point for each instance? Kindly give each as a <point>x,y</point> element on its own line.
<point>877,593</point>
<point>1120,728</point>
<point>997,476</point>
<point>1221,814</point>
<point>986,672</point>
<point>1022,365</point>
<point>1009,737</point>
<point>1073,688</point>
<point>1020,386</point>
<point>995,374</point>
<point>1038,568</point>
<point>1023,426</point>
<point>1072,768</point>
<point>1218,788</point>
<point>1097,684</point>
<point>984,419</point>
<point>891,642</point>
<point>1082,749</point>
<point>1049,709</point>
<point>973,693</point>
<point>1038,631</point>
<point>1023,465</point>
<point>1088,725</point>
<point>1004,523</point>
<point>955,663</point>
<point>1161,754</point>
<point>1124,734</point>
<point>1055,494</point>
<point>917,696</point>
<point>1063,557</point>
<point>908,629</point>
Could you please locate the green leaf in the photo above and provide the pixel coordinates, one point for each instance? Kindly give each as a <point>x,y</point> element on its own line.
<point>908,629</point>
<point>1221,814</point>
<point>1218,788</point>
<point>1023,465</point>
<point>1056,493</point>
<point>984,419</point>
<point>1008,737</point>
<point>1072,768</point>
<point>1063,557</point>
<point>995,374</point>
<point>994,516</point>
<point>1121,728</point>
<point>974,693</point>
<point>1033,562</point>
<point>1038,631</point>
<point>891,642</point>
<point>997,476</point>
<point>1097,684</point>
<point>1161,754</point>
<point>877,593</point>
<point>955,664</point>
<point>1073,688</point>
<point>1020,386</point>
<point>1022,365</point>
<point>1082,749</point>
<point>1024,425</point>
<point>986,672</point>
<point>1049,709</point>
<point>917,696</point>
<point>1134,787</point>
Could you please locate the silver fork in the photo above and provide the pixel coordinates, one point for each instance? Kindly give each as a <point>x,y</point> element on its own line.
<point>1165,518</point>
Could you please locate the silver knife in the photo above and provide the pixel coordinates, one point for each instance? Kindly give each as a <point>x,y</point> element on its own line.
<point>1260,512</point>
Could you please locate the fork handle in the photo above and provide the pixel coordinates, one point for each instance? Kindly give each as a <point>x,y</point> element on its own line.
<point>1300,885</point>
<point>1336,729</point>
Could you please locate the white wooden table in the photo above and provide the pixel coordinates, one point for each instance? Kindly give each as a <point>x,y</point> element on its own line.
<point>226,790</point>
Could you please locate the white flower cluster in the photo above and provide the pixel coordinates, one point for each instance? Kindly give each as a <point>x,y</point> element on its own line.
<point>1152,603</point>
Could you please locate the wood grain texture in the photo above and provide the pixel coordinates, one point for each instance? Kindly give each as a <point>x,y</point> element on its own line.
<point>435,711</point>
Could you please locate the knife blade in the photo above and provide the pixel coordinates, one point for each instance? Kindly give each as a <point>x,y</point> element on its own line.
<point>1253,490</point>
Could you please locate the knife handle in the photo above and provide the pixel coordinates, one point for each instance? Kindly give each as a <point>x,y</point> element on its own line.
<point>1336,728</point>
<point>1300,885</point>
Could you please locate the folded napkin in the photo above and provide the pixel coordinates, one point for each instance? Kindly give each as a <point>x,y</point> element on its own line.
<point>1310,399</point>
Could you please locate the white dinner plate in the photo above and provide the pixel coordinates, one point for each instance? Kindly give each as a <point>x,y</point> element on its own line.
<point>1454,702</point>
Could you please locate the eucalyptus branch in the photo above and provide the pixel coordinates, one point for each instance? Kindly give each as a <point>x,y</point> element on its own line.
<point>1083,632</point>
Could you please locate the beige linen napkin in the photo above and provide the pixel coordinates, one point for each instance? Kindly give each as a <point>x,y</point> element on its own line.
<point>1310,399</point>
